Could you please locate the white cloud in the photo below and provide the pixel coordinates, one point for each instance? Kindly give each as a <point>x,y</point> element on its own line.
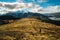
<point>52,9</point>
<point>42,0</point>
<point>15,6</point>
<point>49,9</point>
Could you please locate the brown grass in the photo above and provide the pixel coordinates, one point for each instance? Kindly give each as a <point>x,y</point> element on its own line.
<point>29,29</point>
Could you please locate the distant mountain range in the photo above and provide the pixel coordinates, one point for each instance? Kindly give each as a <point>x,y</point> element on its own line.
<point>17,15</point>
<point>6,18</point>
<point>22,14</point>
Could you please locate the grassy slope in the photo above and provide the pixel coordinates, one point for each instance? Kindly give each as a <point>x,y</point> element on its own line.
<point>29,29</point>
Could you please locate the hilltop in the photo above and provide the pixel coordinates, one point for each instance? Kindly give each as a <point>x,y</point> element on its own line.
<point>29,29</point>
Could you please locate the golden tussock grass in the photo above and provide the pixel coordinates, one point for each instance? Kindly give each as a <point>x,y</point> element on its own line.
<point>29,29</point>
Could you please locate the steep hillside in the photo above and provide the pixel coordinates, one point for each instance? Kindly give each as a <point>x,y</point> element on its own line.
<point>29,29</point>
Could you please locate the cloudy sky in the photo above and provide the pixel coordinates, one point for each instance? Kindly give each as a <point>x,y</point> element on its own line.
<point>41,6</point>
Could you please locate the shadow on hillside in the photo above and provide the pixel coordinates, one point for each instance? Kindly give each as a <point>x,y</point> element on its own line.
<point>6,19</point>
<point>56,23</point>
<point>11,35</point>
<point>10,17</point>
<point>53,22</point>
<point>2,22</point>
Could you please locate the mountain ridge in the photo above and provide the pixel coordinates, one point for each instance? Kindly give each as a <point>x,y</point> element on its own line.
<point>29,29</point>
